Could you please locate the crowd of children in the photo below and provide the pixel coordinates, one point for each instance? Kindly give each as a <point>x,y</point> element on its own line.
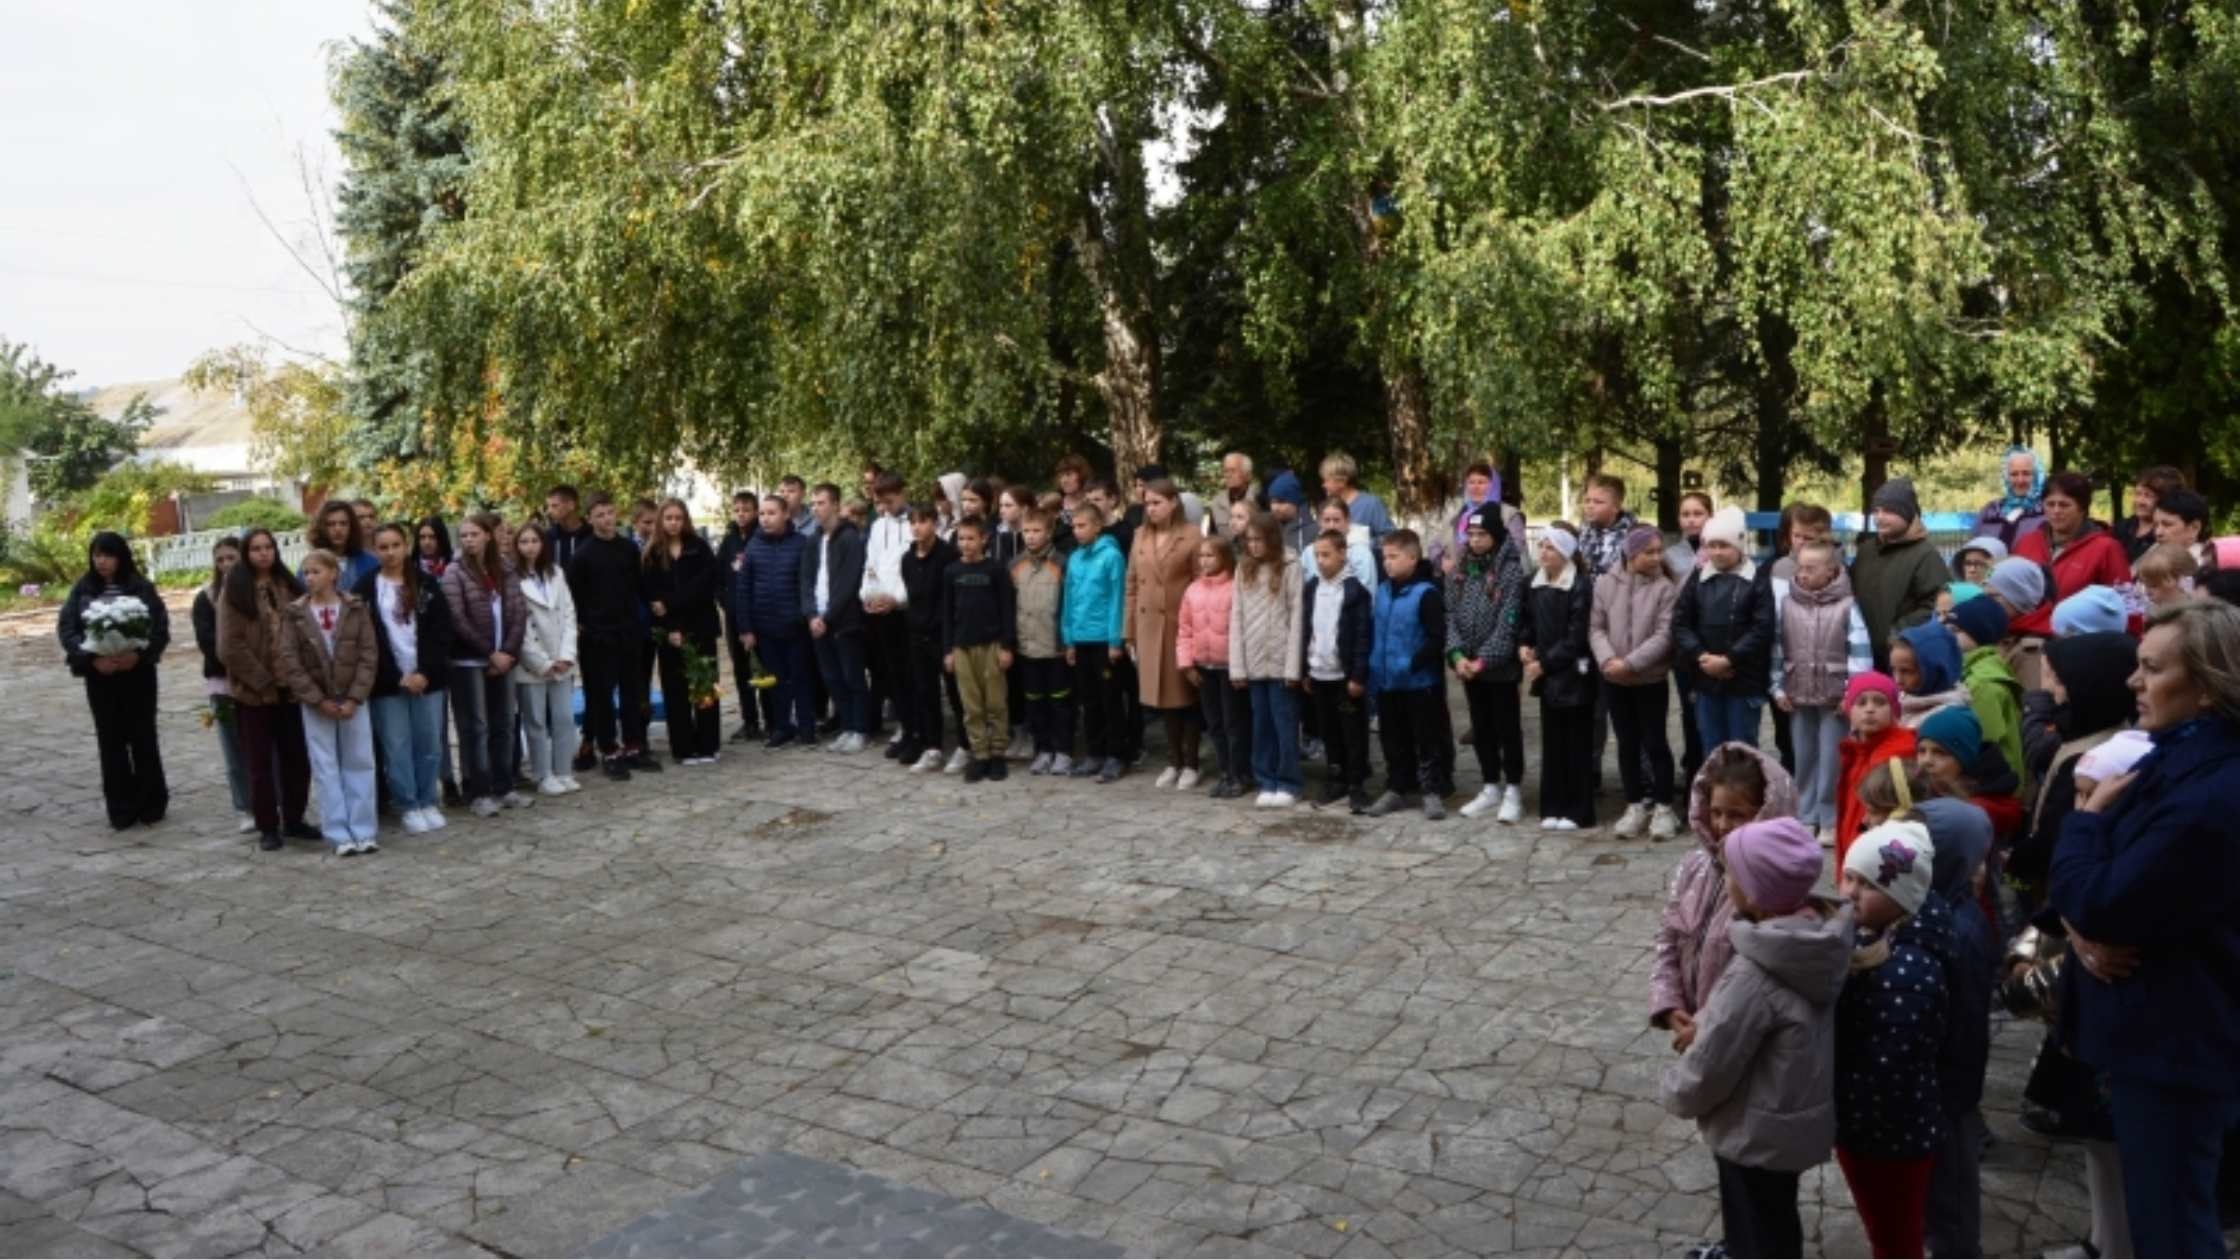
<point>1935,731</point>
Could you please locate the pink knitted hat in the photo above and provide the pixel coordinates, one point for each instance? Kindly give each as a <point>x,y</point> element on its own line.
<point>1872,680</point>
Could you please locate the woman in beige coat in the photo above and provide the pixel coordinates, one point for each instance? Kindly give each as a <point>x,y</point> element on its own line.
<point>1160,569</point>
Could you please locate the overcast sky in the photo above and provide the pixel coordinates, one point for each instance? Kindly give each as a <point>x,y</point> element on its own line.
<point>129,245</point>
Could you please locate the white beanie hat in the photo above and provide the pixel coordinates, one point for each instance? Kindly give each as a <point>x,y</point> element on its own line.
<point>1897,858</point>
<point>1726,525</point>
<point>1563,540</point>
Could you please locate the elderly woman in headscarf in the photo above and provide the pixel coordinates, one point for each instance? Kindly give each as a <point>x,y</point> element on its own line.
<point>2021,508</point>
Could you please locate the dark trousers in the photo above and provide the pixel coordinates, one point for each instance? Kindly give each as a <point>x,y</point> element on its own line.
<point>693,732</point>
<point>754,706</point>
<point>1096,689</point>
<point>1758,1206</point>
<point>124,728</point>
<point>1497,730</point>
<point>924,682</point>
<point>1409,725</point>
<point>1344,721</point>
<point>1047,684</point>
<point>840,662</point>
<point>1133,716</point>
<point>279,764</point>
<point>887,656</point>
<point>1955,1221</point>
<point>1566,769</point>
<point>1784,741</point>
<point>1691,739</point>
<point>792,701</point>
<point>2171,1141</point>
<point>612,665</point>
<point>1228,719</point>
<point>1637,716</point>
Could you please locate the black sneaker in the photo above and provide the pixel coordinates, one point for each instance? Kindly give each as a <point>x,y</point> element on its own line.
<point>997,770</point>
<point>453,799</point>
<point>906,754</point>
<point>1086,768</point>
<point>1113,769</point>
<point>587,756</point>
<point>828,728</point>
<point>975,770</point>
<point>1330,795</point>
<point>896,749</point>
<point>269,842</point>
<point>615,769</point>
<point>743,734</point>
<point>642,760</point>
<point>778,740</point>
<point>301,831</point>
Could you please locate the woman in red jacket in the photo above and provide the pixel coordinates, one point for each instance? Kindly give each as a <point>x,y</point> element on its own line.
<point>2080,551</point>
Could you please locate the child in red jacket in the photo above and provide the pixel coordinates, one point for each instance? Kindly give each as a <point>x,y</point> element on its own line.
<point>1870,704</point>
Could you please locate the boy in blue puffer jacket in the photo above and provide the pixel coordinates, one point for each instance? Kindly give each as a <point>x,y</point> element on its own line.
<point>765,613</point>
<point>1089,627</point>
<point>1405,675</point>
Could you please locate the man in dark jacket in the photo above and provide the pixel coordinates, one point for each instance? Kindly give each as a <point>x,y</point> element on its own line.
<point>1897,573</point>
<point>603,578</point>
<point>765,609</point>
<point>831,595</point>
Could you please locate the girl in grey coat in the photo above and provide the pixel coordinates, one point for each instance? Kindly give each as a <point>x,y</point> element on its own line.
<point>1757,1069</point>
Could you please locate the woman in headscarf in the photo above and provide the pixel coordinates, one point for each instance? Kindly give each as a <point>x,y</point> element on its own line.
<point>2021,509</point>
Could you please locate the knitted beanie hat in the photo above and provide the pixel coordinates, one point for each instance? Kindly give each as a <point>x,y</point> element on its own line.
<point>2020,582</point>
<point>1776,862</point>
<point>1872,680</point>
<point>2093,610</point>
<point>1955,729</point>
<point>1897,858</point>
<point>1981,619</point>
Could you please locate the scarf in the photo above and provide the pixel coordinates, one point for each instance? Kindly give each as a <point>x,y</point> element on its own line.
<point>2011,503</point>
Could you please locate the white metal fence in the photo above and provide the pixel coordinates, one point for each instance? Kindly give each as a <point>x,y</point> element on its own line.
<point>190,553</point>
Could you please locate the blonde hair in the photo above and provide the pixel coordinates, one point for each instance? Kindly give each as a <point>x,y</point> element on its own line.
<point>2209,647</point>
<point>2167,563</point>
<point>322,557</point>
<point>1341,465</point>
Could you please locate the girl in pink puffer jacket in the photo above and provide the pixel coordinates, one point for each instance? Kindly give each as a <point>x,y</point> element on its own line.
<point>1737,785</point>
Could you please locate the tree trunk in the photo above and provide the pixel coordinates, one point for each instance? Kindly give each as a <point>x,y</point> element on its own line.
<point>1420,485</point>
<point>1876,448</point>
<point>1129,386</point>
<point>1670,459</point>
<point>1511,466</point>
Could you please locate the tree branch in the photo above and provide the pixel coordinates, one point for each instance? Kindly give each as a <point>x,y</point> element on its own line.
<point>1727,91</point>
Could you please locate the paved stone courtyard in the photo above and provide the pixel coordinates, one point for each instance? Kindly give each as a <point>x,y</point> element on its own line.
<point>808,1004</point>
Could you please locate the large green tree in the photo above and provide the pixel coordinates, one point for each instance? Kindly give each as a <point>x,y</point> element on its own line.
<point>68,444</point>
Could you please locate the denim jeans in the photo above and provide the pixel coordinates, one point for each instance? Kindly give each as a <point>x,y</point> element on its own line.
<point>482,706</point>
<point>1275,736</point>
<point>410,731</point>
<point>790,661</point>
<point>840,661</point>
<point>237,771</point>
<point>548,719</point>
<point>1724,719</point>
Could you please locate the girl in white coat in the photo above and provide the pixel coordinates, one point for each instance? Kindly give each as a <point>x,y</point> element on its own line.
<point>545,685</point>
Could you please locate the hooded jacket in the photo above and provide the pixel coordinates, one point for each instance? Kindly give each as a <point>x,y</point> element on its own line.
<point>1855,757</point>
<point>1632,620</point>
<point>2100,704</point>
<point>1996,698</point>
<point>2157,870</point>
<point>1095,596</point>
<point>1962,836</point>
<point>1726,613</point>
<point>1896,584</point>
<point>1890,1039</point>
<point>1760,1078</point>
<point>1936,655</point>
<point>2092,558</point>
<point>1692,943</point>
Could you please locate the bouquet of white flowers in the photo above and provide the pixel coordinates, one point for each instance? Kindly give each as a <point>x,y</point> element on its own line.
<point>116,624</point>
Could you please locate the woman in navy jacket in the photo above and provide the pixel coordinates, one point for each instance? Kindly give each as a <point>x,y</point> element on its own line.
<point>2147,879</point>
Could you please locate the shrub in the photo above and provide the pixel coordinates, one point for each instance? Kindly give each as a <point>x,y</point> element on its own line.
<point>264,511</point>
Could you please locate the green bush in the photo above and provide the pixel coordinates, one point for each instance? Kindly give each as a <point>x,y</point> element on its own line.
<point>50,554</point>
<point>124,497</point>
<point>263,511</point>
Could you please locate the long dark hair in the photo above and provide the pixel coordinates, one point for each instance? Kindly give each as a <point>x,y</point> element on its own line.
<point>230,540</point>
<point>543,566</point>
<point>241,584</point>
<point>408,592</point>
<point>109,543</point>
<point>356,543</point>
<point>444,550</point>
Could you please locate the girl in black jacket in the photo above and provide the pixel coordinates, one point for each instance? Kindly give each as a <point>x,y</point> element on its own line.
<point>120,671</point>
<point>225,554</point>
<point>679,582</point>
<point>412,627</point>
<point>1552,643</point>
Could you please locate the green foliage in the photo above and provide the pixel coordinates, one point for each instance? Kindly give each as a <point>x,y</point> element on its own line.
<point>71,444</point>
<point>51,554</point>
<point>124,498</point>
<point>250,513</point>
<point>298,426</point>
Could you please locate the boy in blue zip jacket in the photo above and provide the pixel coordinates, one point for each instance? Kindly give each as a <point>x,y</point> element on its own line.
<point>1405,673</point>
<point>1089,626</point>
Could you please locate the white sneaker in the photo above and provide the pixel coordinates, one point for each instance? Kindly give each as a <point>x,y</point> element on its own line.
<point>1565,824</point>
<point>515,800</point>
<point>1631,823</point>
<point>958,760</point>
<point>930,763</point>
<point>850,742</point>
<point>1664,824</point>
<point>1487,798</point>
<point>487,807</point>
<point>1261,801</point>
<point>369,846</point>
<point>1186,780</point>
<point>434,818</point>
<point>568,783</point>
<point>1512,805</point>
<point>1061,765</point>
<point>1280,800</point>
<point>1550,824</point>
<point>244,823</point>
<point>1166,778</point>
<point>552,787</point>
<point>895,738</point>
<point>413,823</point>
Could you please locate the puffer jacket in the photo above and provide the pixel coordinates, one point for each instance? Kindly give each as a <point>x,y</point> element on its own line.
<point>469,600</point>
<point>1896,584</point>
<point>1760,1078</point>
<point>1038,588</point>
<point>1202,635</point>
<point>249,647</point>
<point>1262,647</point>
<point>1890,1033</point>
<point>1692,943</point>
<point>1557,613</point>
<point>766,591</point>
<point>1096,594</point>
<point>1726,614</point>
<point>1485,611</point>
<point>1855,758</point>
<point>1410,635</point>
<point>1632,620</point>
<point>313,674</point>
<point>551,633</point>
<point>1813,644</point>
